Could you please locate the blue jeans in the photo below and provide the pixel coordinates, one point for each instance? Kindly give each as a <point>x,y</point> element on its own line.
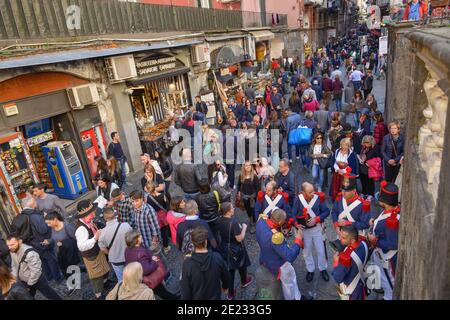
<point>118,270</point>
<point>357,85</point>
<point>318,175</point>
<point>289,149</point>
<point>50,266</point>
<point>122,162</point>
<point>338,103</point>
<point>304,155</point>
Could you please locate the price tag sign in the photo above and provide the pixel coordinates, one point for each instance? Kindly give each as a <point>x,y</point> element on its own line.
<point>10,109</point>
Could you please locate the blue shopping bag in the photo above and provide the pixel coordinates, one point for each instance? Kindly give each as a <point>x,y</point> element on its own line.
<point>300,136</point>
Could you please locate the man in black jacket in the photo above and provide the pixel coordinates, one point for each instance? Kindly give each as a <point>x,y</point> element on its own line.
<point>209,206</point>
<point>187,176</point>
<point>31,227</point>
<point>204,273</point>
<point>201,106</point>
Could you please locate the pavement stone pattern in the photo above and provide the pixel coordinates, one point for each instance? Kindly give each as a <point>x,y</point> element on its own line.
<point>318,288</point>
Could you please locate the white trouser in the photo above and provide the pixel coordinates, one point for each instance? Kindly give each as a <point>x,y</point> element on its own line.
<point>310,237</point>
<point>384,280</point>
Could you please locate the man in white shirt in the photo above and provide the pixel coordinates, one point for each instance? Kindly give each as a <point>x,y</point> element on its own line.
<point>335,73</point>
<point>356,77</point>
<point>87,235</point>
<point>145,159</point>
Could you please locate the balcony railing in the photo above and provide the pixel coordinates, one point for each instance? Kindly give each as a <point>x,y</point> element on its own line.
<point>38,19</point>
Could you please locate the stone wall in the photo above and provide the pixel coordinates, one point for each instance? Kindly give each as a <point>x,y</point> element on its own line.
<point>399,74</point>
<point>423,270</point>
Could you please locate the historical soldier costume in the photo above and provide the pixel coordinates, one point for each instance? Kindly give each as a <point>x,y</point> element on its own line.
<point>95,260</point>
<point>355,211</point>
<point>305,208</point>
<point>274,252</point>
<point>265,204</point>
<point>348,271</point>
<point>384,237</point>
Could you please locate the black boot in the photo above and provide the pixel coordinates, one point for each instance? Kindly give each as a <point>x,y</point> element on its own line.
<point>325,275</point>
<point>306,297</point>
<point>310,276</point>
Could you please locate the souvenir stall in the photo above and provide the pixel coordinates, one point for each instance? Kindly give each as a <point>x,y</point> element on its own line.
<point>160,92</point>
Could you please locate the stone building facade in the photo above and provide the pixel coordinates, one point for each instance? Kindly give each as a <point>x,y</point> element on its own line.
<point>420,100</point>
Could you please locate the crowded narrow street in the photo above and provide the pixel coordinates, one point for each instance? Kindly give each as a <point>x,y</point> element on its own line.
<point>224,150</point>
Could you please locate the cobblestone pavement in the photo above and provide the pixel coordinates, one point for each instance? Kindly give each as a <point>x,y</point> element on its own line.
<point>320,289</point>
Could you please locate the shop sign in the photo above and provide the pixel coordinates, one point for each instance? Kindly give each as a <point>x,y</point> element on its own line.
<point>11,109</point>
<point>156,65</point>
<point>383,45</point>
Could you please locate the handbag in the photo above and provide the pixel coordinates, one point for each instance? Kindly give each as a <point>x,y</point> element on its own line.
<point>155,278</point>
<point>161,214</point>
<point>300,136</point>
<point>324,163</point>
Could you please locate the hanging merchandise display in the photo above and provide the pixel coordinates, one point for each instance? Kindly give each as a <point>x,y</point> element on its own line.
<point>18,171</point>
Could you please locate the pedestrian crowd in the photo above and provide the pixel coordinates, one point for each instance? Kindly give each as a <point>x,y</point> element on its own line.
<point>333,132</point>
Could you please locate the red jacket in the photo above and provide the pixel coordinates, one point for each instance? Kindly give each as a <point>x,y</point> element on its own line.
<point>423,8</point>
<point>379,132</point>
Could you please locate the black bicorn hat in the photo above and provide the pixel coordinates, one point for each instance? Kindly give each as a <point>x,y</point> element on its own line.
<point>388,193</point>
<point>349,181</point>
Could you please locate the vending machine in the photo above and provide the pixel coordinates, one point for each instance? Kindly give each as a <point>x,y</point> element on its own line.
<point>94,145</point>
<point>64,169</point>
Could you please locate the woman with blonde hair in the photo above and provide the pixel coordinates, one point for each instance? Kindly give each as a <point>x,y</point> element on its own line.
<point>131,287</point>
<point>150,175</point>
<point>114,171</point>
<point>343,158</point>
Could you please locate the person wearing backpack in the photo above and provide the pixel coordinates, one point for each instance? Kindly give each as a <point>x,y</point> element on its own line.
<point>112,241</point>
<point>31,227</point>
<point>304,149</point>
<point>232,248</point>
<point>204,273</point>
<point>209,202</point>
<point>184,241</point>
<point>26,266</point>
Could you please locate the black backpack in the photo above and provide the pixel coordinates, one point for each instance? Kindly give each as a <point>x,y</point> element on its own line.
<point>21,226</point>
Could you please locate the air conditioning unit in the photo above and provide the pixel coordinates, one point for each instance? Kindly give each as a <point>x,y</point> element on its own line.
<point>84,95</point>
<point>121,68</point>
<point>249,48</point>
<point>200,54</point>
